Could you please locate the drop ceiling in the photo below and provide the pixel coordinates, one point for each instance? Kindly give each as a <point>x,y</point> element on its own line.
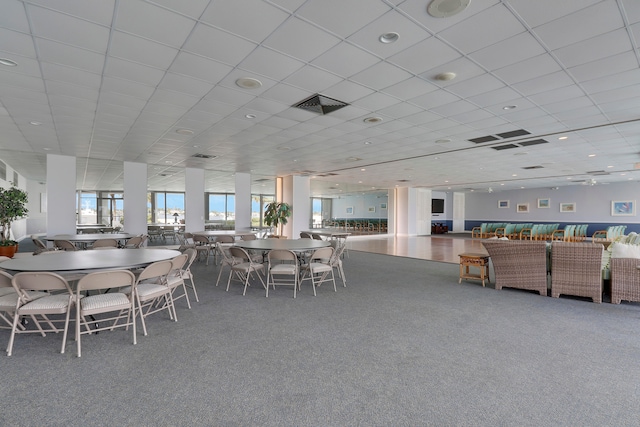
<point>155,82</point>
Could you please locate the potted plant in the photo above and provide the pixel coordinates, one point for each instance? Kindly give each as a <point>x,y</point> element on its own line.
<point>13,206</point>
<point>277,214</point>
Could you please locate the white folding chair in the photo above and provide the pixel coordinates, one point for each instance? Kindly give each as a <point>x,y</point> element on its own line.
<point>37,300</point>
<point>336,259</point>
<point>283,264</point>
<point>244,269</point>
<point>121,305</point>
<point>175,278</point>
<point>319,268</point>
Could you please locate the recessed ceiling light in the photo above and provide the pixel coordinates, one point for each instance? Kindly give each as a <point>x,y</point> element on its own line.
<point>389,37</point>
<point>250,116</point>
<point>248,83</point>
<point>363,169</point>
<point>283,148</point>
<point>610,166</point>
<point>592,155</point>
<point>8,62</point>
<point>353,159</point>
<point>373,120</point>
<point>445,77</point>
<point>47,149</point>
<point>446,8</point>
<point>442,141</point>
<point>562,138</point>
<point>515,174</point>
<point>509,107</point>
<point>35,123</point>
<point>367,143</point>
<point>184,131</point>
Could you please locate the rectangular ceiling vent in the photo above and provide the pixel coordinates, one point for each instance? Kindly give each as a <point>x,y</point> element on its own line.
<point>204,156</point>
<point>505,147</point>
<point>533,142</point>
<point>320,104</point>
<point>328,174</point>
<point>533,167</point>
<point>262,180</point>
<point>598,173</point>
<point>513,133</point>
<point>482,139</point>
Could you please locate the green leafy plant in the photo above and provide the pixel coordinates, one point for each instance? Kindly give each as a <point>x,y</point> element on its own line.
<point>13,203</point>
<point>277,214</point>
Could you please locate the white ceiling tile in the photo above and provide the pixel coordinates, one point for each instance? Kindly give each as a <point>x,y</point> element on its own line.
<point>152,22</point>
<point>173,98</point>
<point>279,66</point>
<point>542,11</point>
<point>313,79</point>
<point>16,43</point>
<point>178,83</point>
<point>376,101</point>
<point>605,67</point>
<point>131,71</point>
<point>70,56</point>
<point>69,30</point>
<point>463,67</point>
<point>410,33</point>
<point>229,96</point>
<point>218,45</point>
<point>136,49</point>
<point>252,19</point>
<point>544,83</point>
<point>199,67</point>
<point>381,75</point>
<point>70,75</point>
<point>127,87</point>
<point>528,69</point>
<point>347,91</point>
<point>345,60</point>
<point>26,66</point>
<point>476,85</point>
<point>342,18</point>
<point>595,48</point>
<point>425,55</point>
<point>584,24</point>
<point>461,35</point>
<point>124,100</point>
<point>509,51</point>
<point>629,78</point>
<point>400,110</point>
<point>410,88</point>
<point>498,96</point>
<point>300,39</point>
<point>191,8</point>
<point>265,106</point>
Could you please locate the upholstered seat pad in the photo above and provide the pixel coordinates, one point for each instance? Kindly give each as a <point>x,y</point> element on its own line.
<point>52,303</point>
<point>150,290</point>
<point>7,291</point>
<point>102,301</point>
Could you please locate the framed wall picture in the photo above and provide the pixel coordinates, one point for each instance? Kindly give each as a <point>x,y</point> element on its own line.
<point>503,204</point>
<point>567,207</point>
<point>372,208</point>
<point>623,208</point>
<point>544,203</point>
<point>383,206</point>
<point>522,208</point>
<point>350,210</point>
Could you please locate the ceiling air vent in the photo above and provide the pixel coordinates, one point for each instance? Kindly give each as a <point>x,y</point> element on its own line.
<point>533,142</point>
<point>598,172</point>
<point>513,133</point>
<point>328,174</point>
<point>505,147</point>
<point>533,167</point>
<point>262,180</point>
<point>403,180</point>
<point>320,104</point>
<point>204,156</point>
<point>482,139</point>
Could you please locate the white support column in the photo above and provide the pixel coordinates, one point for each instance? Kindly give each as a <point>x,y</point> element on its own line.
<point>458,212</point>
<point>135,198</point>
<point>243,202</point>
<point>61,195</point>
<point>423,211</point>
<point>296,191</point>
<point>194,199</point>
<point>411,211</point>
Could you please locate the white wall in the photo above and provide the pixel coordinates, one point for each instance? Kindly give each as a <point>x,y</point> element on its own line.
<point>368,206</point>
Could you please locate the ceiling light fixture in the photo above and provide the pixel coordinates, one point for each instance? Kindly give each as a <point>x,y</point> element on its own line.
<point>509,107</point>
<point>35,123</point>
<point>442,141</point>
<point>562,138</point>
<point>248,83</point>
<point>8,62</point>
<point>373,120</point>
<point>389,38</point>
<point>250,116</point>
<point>184,131</point>
<point>445,77</point>
<point>367,143</point>
<point>446,8</point>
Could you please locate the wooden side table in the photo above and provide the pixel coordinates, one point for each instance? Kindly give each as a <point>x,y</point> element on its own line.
<point>478,260</point>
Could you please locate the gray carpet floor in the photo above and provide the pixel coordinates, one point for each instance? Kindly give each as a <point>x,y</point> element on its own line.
<point>403,345</point>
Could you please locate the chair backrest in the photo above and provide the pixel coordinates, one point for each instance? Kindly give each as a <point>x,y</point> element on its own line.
<point>322,254</point>
<point>281,255</point>
<point>225,238</point>
<point>156,269</point>
<point>248,237</point>
<point>305,235</point>
<point>192,254</point>
<point>65,245</point>
<point>178,262</point>
<point>105,243</point>
<point>5,280</point>
<point>38,281</point>
<point>136,241</point>
<point>201,240</point>
<point>39,243</point>
<point>316,236</point>
<point>240,253</point>
<point>111,279</point>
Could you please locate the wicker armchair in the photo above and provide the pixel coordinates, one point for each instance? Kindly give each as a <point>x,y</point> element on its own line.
<point>625,280</point>
<point>576,269</point>
<point>518,264</point>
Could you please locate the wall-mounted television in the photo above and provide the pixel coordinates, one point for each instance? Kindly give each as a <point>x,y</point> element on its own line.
<point>437,206</point>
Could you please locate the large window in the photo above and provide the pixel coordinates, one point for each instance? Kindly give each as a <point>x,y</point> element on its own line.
<point>100,207</point>
<point>258,202</point>
<point>221,210</point>
<point>165,208</point>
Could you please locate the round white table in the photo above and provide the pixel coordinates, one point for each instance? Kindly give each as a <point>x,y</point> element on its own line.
<point>88,261</point>
<point>90,238</point>
<point>287,244</point>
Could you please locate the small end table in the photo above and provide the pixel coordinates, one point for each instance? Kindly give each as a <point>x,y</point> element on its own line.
<point>479,260</point>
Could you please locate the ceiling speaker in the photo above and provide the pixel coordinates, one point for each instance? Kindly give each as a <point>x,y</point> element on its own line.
<point>446,8</point>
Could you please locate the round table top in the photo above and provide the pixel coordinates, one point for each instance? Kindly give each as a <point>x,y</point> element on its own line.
<point>90,237</point>
<point>86,261</point>
<point>209,233</point>
<point>287,244</point>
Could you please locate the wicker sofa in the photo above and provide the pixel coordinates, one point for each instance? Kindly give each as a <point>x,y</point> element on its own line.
<point>519,264</point>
